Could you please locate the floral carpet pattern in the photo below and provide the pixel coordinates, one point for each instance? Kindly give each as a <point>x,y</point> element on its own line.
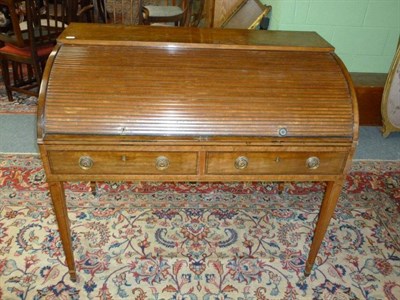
<point>144,240</point>
<point>22,104</point>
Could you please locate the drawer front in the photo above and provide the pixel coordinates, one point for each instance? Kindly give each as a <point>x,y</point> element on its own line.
<point>290,163</point>
<point>101,163</point>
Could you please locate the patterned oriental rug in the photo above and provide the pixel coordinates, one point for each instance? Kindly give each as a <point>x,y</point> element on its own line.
<point>22,104</point>
<point>144,240</point>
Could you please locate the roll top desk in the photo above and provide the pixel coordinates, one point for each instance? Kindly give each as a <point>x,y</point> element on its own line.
<point>189,104</point>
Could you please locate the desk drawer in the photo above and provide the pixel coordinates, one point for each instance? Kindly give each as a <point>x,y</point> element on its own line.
<point>275,163</point>
<point>90,162</point>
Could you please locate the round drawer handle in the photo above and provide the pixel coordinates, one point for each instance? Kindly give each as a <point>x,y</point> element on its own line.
<point>241,162</point>
<point>86,162</point>
<point>162,163</point>
<point>312,162</point>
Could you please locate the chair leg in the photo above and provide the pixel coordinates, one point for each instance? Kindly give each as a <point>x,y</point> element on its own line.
<point>17,74</point>
<point>37,71</point>
<point>29,73</point>
<point>197,13</point>
<point>6,78</point>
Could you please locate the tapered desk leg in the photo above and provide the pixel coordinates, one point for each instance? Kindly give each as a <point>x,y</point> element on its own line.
<point>93,188</point>
<point>327,209</point>
<point>60,209</point>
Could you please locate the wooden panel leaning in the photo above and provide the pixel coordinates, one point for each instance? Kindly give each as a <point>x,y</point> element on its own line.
<point>248,15</point>
<point>190,104</point>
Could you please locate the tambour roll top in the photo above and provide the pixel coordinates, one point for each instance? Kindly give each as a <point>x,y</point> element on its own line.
<point>184,82</point>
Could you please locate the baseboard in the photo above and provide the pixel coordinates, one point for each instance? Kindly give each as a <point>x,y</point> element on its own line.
<point>369,90</point>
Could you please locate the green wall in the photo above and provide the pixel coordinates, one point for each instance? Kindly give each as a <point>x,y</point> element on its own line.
<point>365,33</point>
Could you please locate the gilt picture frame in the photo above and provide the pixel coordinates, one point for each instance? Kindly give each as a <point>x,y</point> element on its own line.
<point>390,106</point>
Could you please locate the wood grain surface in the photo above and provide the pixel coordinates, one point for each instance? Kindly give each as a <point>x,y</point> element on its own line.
<point>178,91</point>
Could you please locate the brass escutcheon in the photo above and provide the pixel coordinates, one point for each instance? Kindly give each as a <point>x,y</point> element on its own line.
<point>282,131</point>
<point>241,162</point>
<point>162,163</point>
<point>312,162</point>
<point>86,162</point>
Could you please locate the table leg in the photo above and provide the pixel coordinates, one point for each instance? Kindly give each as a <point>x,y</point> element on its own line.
<point>60,209</point>
<point>327,209</point>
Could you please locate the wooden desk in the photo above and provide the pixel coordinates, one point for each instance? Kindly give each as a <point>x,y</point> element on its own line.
<point>188,104</point>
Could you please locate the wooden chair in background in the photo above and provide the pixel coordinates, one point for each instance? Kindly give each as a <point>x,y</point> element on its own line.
<point>35,25</point>
<point>197,15</point>
<point>168,12</point>
<point>149,12</point>
<point>117,12</point>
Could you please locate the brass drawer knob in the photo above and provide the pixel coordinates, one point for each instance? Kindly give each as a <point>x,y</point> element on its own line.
<point>86,162</point>
<point>162,163</point>
<point>241,162</point>
<point>312,162</point>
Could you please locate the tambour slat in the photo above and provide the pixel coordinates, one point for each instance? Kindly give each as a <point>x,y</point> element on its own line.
<point>167,91</point>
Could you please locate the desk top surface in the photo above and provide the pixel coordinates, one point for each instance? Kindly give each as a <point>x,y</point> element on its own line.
<point>112,34</point>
